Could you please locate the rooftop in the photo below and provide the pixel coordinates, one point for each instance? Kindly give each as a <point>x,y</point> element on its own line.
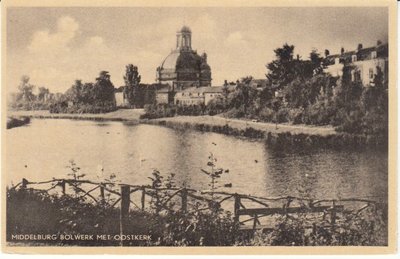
<point>362,54</point>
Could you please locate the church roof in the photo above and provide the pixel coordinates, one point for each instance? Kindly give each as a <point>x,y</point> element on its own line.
<point>183,60</point>
<point>170,61</point>
<point>188,59</point>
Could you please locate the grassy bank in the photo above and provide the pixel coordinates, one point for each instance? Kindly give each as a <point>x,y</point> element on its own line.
<point>276,135</point>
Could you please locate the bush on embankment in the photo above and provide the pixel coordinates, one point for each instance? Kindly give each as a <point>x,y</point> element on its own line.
<point>283,138</point>
<point>79,108</point>
<point>13,122</point>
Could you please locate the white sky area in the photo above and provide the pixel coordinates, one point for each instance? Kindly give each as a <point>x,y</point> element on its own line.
<point>55,46</point>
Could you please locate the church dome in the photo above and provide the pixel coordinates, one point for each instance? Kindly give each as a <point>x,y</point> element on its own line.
<point>183,67</point>
<point>170,61</point>
<point>188,60</point>
<point>182,60</point>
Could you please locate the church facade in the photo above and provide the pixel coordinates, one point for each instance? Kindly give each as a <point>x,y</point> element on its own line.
<point>183,67</point>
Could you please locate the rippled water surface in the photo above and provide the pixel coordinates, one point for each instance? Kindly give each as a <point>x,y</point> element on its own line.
<point>42,150</point>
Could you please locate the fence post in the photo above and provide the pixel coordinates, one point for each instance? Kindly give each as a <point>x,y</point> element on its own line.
<point>24,183</point>
<point>184,199</point>
<point>62,184</point>
<point>236,207</point>
<point>125,201</point>
<point>102,192</point>
<point>255,221</point>
<point>333,215</point>
<point>143,197</point>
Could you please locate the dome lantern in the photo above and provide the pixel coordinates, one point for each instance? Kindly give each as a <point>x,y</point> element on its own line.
<point>184,39</point>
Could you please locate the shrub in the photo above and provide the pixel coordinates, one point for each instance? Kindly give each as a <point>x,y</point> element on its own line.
<point>282,115</point>
<point>266,114</point>
<point>295,115</point>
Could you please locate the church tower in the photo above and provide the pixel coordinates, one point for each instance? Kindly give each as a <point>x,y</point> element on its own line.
<point>183,67</point>
<point>184,39</point>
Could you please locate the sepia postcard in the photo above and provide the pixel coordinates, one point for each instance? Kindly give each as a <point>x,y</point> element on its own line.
<point>199,127</point>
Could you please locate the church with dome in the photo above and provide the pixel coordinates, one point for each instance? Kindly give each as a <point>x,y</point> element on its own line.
<point>183,67</point>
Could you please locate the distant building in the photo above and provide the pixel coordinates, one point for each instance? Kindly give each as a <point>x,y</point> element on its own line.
<point>364,63</point>
<point>165,95</point>
<point>183,67</point>
<point>119,97</point>
<point>198,95</point>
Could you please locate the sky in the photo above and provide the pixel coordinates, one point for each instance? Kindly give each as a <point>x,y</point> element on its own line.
<point>54,46</point>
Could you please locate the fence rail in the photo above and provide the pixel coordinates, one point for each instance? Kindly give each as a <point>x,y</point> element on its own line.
<point>289,204</point>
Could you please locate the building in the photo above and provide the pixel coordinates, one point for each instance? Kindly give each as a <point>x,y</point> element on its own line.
<point>198,95</point>
<point>364,63</point>
<point>120,98</point>
<point>165,95</point>
<point>183,67</point>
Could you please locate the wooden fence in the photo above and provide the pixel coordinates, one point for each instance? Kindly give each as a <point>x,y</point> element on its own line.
<point>241,205</point>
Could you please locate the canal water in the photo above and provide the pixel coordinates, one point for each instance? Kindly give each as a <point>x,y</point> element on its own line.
<point>42,150</point>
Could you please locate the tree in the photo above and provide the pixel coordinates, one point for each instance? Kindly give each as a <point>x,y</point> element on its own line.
<point>131,89</point>
<point>104,89</point>
<point>26,90</point>
<point>75,93</point>
<point>316,62</point>
<point>282,70</point>
<point>43,94</point>
<point>327,53</point>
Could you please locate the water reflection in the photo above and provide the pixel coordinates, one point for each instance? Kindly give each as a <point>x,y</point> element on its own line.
<point>42,150</point>
<point>326,173</point>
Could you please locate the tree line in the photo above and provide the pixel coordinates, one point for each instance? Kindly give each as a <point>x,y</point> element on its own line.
<point>298,91</point>
<point>97,97</point>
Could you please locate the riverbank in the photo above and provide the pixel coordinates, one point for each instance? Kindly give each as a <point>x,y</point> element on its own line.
<point>240,124</point>
<point>132,115</point>
<point>280,135</point>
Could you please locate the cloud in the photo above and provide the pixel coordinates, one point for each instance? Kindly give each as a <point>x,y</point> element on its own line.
<point>236,40</point>
<point>56,59</point>
<point>45,42</point>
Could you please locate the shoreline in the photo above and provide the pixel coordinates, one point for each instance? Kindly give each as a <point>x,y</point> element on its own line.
<point>284,136</point>
<point>280,135</point>
<point>131,115</point>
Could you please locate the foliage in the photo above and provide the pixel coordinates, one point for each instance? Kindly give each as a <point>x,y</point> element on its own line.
<point>30,211</point>
<point>131,89</point>
<point>367,228</point>
<point>195,226</point>
<point>199,224</point>
<point>95,97</point>
<point>25,99</point>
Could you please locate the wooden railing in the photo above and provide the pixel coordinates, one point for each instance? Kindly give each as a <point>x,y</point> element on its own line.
<point>266,206</point>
